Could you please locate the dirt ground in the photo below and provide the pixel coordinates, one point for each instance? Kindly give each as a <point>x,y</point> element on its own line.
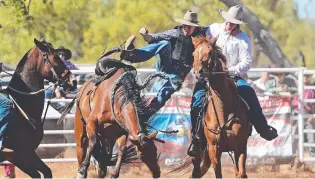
<point>69,170</point>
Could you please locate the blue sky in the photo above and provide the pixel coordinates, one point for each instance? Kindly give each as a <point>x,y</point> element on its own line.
<point>308,5</point>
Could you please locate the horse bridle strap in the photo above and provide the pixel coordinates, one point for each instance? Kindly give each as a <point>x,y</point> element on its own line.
<point>213,56</point>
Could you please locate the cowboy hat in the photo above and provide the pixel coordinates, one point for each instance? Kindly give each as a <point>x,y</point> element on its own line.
<point>65,51</point>
<point>190,18</point>
<point>234,15</point>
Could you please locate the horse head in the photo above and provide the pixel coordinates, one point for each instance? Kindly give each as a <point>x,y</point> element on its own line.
<point>208,58</point>
<point>53,68</point>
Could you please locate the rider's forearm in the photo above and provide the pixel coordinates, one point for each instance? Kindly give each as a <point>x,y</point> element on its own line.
<point>241,68</point>
<point>167,35</point>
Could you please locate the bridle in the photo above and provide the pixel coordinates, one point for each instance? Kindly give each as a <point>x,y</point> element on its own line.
<point>59,81</point>
<point>64,76</point>
<point>205,63</point>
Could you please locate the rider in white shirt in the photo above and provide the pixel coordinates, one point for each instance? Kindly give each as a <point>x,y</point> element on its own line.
<point>236,46</point>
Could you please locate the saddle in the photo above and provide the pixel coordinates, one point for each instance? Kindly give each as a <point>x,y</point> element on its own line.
<point>106,68</point>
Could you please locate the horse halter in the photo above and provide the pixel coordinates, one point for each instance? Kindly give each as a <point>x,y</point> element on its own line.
<point>205,64</point>
<point>59,81</point>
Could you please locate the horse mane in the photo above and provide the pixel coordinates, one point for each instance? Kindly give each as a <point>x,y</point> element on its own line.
<point>22,61</point>
<point>25,57</point>
<point>132,93</point>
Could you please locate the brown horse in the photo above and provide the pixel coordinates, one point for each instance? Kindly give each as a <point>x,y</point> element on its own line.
<point>226,126</point>
<point>25,127</point>
<point>109,111</point>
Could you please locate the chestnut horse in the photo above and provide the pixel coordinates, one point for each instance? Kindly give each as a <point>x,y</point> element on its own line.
<point>107,112</point>
<point>25,127</point>
<point>225,124</point>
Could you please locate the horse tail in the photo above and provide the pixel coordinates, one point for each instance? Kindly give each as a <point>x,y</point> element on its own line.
<point>186,164</point>
<point>66,111</point>
<point>129,156</point>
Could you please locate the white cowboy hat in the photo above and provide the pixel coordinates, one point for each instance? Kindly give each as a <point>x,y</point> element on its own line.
<point>190,18</point>
<point>234,15</point>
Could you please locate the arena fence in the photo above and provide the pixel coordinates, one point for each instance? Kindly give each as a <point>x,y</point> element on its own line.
<point>300,72</point>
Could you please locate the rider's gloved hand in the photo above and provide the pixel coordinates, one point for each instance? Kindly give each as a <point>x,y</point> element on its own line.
<point>226,71</point>
<point>145,34</point>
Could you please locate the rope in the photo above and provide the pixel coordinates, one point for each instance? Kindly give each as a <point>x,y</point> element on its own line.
<point>30,93</point>
<point>167,132</point>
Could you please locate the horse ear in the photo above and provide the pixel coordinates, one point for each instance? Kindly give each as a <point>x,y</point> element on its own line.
<point>41,45</point>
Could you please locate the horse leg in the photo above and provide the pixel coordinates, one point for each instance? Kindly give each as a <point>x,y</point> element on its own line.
<point>151,160</point>
<point>196,173</point>
<point>242,162</point>
<point>102,157</point>
<point>236,157</point>
<point>80,137</point>
<point>40,165</point>
<point>121,142</point>
<point>215,157</point>
<point>91,134</point>
<point>205,165</point>
<point>24,161</point>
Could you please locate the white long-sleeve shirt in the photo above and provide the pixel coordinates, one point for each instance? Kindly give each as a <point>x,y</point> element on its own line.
<point>237,49</point>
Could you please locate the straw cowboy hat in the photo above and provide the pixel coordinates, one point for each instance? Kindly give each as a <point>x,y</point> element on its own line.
<point>65,51</point>
<point>190,18</point>
<point>234,15</point>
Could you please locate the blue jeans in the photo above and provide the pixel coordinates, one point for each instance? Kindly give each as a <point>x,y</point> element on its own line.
<point>6,107</point>
<point>163,50</point>
<point>245,91</point>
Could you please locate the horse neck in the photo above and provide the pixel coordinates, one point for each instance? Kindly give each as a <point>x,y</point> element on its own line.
<point>223,95</point>
<point>27,78</point>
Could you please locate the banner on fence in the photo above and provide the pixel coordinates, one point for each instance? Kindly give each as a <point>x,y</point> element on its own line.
<point>175,115</point>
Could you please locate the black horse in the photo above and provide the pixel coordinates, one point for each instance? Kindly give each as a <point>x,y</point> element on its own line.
<point>25,128</point>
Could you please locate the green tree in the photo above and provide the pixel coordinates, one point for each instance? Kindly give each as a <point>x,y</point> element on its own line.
<point>87,26</point>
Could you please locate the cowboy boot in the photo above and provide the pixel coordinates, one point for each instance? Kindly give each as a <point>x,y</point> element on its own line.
<point>260,123</point>
<point>128,52</point>
<point>194,149</point>
<point>129,43</point>
<point>256,115</point>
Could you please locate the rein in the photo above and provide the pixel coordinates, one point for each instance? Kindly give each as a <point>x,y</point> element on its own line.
<point>59,82</point>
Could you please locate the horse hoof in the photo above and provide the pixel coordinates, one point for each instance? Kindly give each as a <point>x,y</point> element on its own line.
<point>79,176</point>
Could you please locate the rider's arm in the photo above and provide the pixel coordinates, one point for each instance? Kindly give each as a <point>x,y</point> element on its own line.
<point>213,30</point>
<point>245,59</point>
<point>167,35</point>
